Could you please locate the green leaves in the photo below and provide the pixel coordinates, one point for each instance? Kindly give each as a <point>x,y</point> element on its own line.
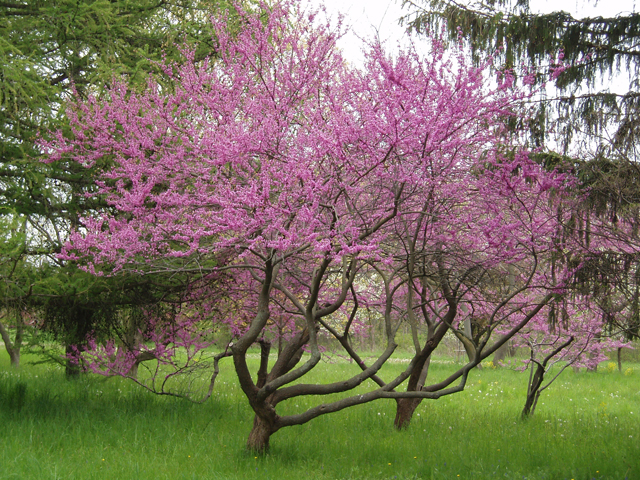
<point>50,50</point>
<point>593,48</point>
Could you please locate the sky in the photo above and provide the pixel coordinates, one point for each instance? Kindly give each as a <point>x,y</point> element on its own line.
<point>367,16</point>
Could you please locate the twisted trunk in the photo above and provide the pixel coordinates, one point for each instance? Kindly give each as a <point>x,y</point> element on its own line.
<point>533,392</point>
<point>264,420</point>
<point>535,388</point>
<point>406,406</point>
<point>258,441</point>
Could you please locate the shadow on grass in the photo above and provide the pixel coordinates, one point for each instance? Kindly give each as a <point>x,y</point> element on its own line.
<point>53,395</point>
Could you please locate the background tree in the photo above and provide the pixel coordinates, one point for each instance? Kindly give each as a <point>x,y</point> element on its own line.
<point>47,50</point>
<point>593,48</point>
<point>588,129</point>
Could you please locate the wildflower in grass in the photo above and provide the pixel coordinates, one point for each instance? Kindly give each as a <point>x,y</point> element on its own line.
<point>628,372</point>
<point>611,367</point>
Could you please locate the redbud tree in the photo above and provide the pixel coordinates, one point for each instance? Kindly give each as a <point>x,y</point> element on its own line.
<point>315,189</point>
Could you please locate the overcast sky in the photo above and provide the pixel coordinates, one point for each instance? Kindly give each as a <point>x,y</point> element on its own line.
<point>367,16</point>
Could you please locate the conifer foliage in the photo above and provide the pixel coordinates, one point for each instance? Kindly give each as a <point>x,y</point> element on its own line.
<point>591,127</point>
<point>48,50</point>
<point>593,48</point>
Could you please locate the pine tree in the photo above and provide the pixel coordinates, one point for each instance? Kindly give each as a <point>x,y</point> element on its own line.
<point>595,48</point>
<point>597,133</point>
<point>50,51</point>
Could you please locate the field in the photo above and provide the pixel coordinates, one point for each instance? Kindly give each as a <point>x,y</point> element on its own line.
<point>586,427</point>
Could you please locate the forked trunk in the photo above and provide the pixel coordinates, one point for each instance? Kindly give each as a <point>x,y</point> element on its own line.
<point>530,404</point>
<point>264,425</point>
<point>533,390</point>
<point>406,406</point>
<point>258,441</point>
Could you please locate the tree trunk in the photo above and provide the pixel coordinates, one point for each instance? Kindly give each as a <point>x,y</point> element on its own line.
<point>71,369</point>
<point>407,406</point>
<point>533,392</point>
<point>503,352</point>
<point>468,348</point>
<point>264,424</point>
<point>534,388</point>
<point>619,359</point>
<point>14,357</point>
<point>530,405</point>
<point>13,348</point>
<point>131,343</point>
<point>373,335</point>
<point>133,371</point>
<point>500,355</point>
<point>593,368</point>
<point>404,411</point>
<point>258,441</point>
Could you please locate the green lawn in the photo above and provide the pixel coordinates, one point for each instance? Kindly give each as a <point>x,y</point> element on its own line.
<point>587,426</point>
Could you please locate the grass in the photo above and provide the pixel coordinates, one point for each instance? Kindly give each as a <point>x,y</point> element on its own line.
<point>587,426</point>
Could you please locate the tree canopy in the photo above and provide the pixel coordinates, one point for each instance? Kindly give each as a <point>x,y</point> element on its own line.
<point>319,189</point>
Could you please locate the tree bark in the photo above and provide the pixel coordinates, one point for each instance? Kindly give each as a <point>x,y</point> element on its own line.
<point>619,359</point>
<point>406,406</point>
<point>258,441</point>
<point>133,371</point>
<point>13,348</point>
<point>466,342</point>
<point>534,389</point>
<point>132,342</point>
<point>404,411</point>
<point>533,392</point>
<point>265,349</point>
<point>14,358</point>
<point>265,415</point>
<point>71,369</point>
<point>503,352</point>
